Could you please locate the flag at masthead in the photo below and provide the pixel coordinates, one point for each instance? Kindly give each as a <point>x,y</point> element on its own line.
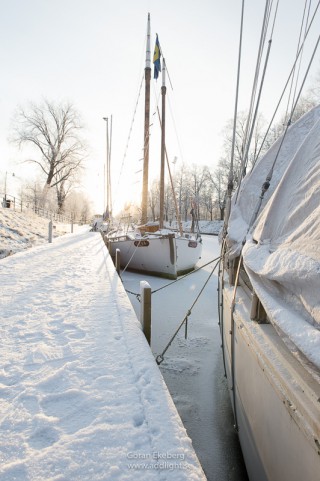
<point>156,58</point>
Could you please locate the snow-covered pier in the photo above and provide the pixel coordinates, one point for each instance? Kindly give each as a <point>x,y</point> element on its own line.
<point>81,397</point>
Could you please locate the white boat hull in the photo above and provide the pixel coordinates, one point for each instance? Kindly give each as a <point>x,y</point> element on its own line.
<point>188,252</point>
<point>165,256</point>
<point>274,398</point>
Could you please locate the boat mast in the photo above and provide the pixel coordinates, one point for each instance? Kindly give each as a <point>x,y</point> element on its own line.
<point>163,142</point>
<point>144,204</point>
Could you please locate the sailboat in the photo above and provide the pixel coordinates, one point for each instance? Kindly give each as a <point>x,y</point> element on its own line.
<point>151,248</point>
<point>269,284</point>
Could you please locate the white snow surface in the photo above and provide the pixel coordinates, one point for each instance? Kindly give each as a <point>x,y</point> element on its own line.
<point>22,230</point>
<point>282,251</point>
<point>81,397</point>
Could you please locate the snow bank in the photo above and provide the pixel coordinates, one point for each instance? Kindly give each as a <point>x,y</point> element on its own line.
<point>81,395</point>
<point>205,226</point>
<point>21,230</point>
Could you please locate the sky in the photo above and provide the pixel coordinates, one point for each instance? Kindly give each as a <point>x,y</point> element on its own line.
<point>91,53</point>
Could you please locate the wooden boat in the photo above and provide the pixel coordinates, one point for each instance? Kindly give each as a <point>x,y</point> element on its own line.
<point>151,248</point>
<point>269,306</point>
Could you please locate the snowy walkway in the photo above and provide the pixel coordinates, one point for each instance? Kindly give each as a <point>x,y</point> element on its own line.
<point>81,397</point>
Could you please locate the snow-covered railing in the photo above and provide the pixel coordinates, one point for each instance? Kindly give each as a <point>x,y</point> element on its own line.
<point>12,202</point>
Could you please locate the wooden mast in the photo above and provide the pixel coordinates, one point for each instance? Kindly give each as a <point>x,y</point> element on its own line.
<point>163,142</point>
<point>144,204</point>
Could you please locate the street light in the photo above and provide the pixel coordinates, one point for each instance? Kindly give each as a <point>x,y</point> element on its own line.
<point>104,167</point>
<point>107,170</point>
<point>5,184</point>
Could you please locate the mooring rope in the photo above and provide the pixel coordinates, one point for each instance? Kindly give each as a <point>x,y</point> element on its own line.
<point>160,357</point>
<point>137,295</point>
<point>133,253</point>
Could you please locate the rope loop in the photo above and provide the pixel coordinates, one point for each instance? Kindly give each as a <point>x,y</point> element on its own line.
<point>159,359</point>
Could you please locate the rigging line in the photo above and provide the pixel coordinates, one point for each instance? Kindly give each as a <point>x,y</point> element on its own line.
<point>171,113</point>
<point>157,96</point>
<point>178,215</point>
<point>160,357</point>
<point>274,19</point>
<point>286,84</point>
<point>129,135</point>
<point>245,159</point>
<point>257,69</point>
<point>247,141</point>
<point>167,71</point>
<point>293,76</point>
<point>175,127</point>
<point>296,85</point>
<point>266,184</point>
<point>295,105</point>
<point>221,301</point>
<point>230,176</point>
<point>170,107</point>
<point>304,79</point>
<point>233,342</point>
<point>268,14</point>
<point>147,140</point>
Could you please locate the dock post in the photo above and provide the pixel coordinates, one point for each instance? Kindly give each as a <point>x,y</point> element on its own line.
<point>145,310</point>
<point>50,232</point>
<point>118,261</point>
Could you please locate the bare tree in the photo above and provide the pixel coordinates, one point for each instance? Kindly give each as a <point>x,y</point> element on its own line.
<point>182,191</point>
<point>64,187</point>
<point>154,200</point>
<point>78,207</point>
<point>54,131</point>
<point>243,157</point>
<point>216,182</point>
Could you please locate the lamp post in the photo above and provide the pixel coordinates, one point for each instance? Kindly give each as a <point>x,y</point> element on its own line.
<point>5,184</point>
<point>104,166</point>
<point>107,170</point>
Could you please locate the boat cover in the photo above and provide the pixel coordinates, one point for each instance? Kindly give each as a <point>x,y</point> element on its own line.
<point>282,251</point>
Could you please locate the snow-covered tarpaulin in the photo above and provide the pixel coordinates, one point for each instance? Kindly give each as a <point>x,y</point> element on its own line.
<point>81,397</point>
<point>282,251</point>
